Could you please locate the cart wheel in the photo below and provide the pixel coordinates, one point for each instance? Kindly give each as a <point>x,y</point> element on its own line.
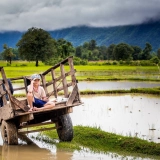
<point>65,128</point>
<point>9,133</point>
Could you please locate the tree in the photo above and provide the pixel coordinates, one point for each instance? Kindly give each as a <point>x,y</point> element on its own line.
<point>158,53</point>
<point>136,53</point>
<point>146,54</point>
<point>16,53</point>
<point>102,52</point>
<point>110,52</point>
<point>155,59</point>
<point>92,45</point>
<point>78,51</point>
<point>64,48</point>
<point>85,45</point>
<point>95,54</point>
<point>7,54</point>
<point>123,52</point>
<point>36,44</point>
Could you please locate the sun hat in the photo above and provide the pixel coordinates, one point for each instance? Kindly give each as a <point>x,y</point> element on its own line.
<point>35,76</point>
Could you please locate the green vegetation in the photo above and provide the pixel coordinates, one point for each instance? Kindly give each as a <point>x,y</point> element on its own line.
<point>100,141</point>
<point>7,54</point>
<point>132,90</point>
<point>38,45</point>
<point>89,72</point>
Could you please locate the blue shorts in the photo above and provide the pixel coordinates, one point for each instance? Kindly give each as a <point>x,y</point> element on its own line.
<point>38,103</point>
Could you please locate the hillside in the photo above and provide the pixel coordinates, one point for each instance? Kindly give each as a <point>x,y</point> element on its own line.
<point>131,34</point>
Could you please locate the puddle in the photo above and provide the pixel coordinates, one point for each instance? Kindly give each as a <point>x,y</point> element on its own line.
<point>42,151</point>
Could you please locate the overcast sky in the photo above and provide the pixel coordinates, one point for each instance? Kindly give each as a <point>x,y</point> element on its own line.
<point>20,15</point>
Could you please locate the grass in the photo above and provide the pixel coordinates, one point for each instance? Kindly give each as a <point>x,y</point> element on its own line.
<point>100,141</point>
<point>88,72</point>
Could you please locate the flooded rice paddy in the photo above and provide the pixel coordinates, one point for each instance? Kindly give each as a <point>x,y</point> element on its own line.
<point>104,85</point>
<point>125,114</point>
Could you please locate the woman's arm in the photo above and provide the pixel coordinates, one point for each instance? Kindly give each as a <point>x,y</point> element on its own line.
<point>30,87</point>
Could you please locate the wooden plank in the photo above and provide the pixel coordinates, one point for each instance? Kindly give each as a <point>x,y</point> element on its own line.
<point>70,72</point>
<point>19,103</point>
<point>17,78</point>
<point>61,88</point>
<point>6,112</point>
<point>5,81</point>
<point>54,83</point>
<point>35,130</point>
<point>3,95</point>
<point>20,88</point>
<point>25,84</point>
<point>64,81</point>
<point>57,65</point>
<point>26,117</point>
<point>37,124</point>
<point>1,82</point>
<point>44,83</point>
<point>72,96</point>
<point>73,77</point>
<point>59,106</point>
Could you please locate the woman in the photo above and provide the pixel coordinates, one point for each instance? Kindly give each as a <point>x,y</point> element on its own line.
<point>36,95</point>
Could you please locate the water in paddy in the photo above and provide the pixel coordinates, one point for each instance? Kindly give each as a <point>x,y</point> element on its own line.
<point>121,114</point>
<point>104,85</point>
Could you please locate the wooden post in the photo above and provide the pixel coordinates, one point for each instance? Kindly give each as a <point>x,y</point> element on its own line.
<point>64,81</point>
<point>3,94</point>
<point>70,61</point>
<point>54,83</point>
<point>44,83</point>
<point>5,80</point>
<point>25,83</point>
<point>73,77</point>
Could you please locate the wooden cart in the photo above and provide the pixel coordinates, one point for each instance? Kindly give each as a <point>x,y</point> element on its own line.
<point>15,118</point>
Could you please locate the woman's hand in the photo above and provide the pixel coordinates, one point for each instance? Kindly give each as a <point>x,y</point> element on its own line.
<point>32,81</point>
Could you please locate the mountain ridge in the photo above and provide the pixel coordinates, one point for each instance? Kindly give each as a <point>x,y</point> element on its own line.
<point>130,34</point>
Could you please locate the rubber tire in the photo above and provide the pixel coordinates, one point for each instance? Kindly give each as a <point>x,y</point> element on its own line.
<point>65,128</point>
<point>9,133</point>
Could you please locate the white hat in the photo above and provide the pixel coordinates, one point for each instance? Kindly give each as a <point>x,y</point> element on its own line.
<point>35,76</point>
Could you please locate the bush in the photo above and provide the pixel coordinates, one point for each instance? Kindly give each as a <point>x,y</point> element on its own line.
<point>115,63</point>
<point>146,63</point>
<point>23,65</point>
<point>53,61</point>
<point>8,64</point>
<point>79,61</point>
<point>155,60</point>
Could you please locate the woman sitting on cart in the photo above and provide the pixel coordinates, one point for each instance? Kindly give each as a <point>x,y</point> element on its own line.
<point>36,95</point>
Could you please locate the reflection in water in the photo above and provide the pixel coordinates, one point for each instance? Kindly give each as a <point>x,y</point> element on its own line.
<point>25,152</point>
<point>32,152</point>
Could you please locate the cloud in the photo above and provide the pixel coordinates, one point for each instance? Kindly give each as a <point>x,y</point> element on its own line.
<point>19,15</point>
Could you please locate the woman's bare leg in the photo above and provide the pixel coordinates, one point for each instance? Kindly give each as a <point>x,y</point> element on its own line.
<point>48,105</point>
<point>30,101</point>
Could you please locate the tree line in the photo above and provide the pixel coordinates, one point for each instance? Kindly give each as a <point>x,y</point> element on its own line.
<point>38,45</point>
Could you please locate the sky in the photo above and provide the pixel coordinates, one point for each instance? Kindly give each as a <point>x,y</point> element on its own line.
<point>20,15</point>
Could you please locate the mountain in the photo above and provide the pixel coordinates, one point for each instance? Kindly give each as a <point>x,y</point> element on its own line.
<point>131,34</point>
